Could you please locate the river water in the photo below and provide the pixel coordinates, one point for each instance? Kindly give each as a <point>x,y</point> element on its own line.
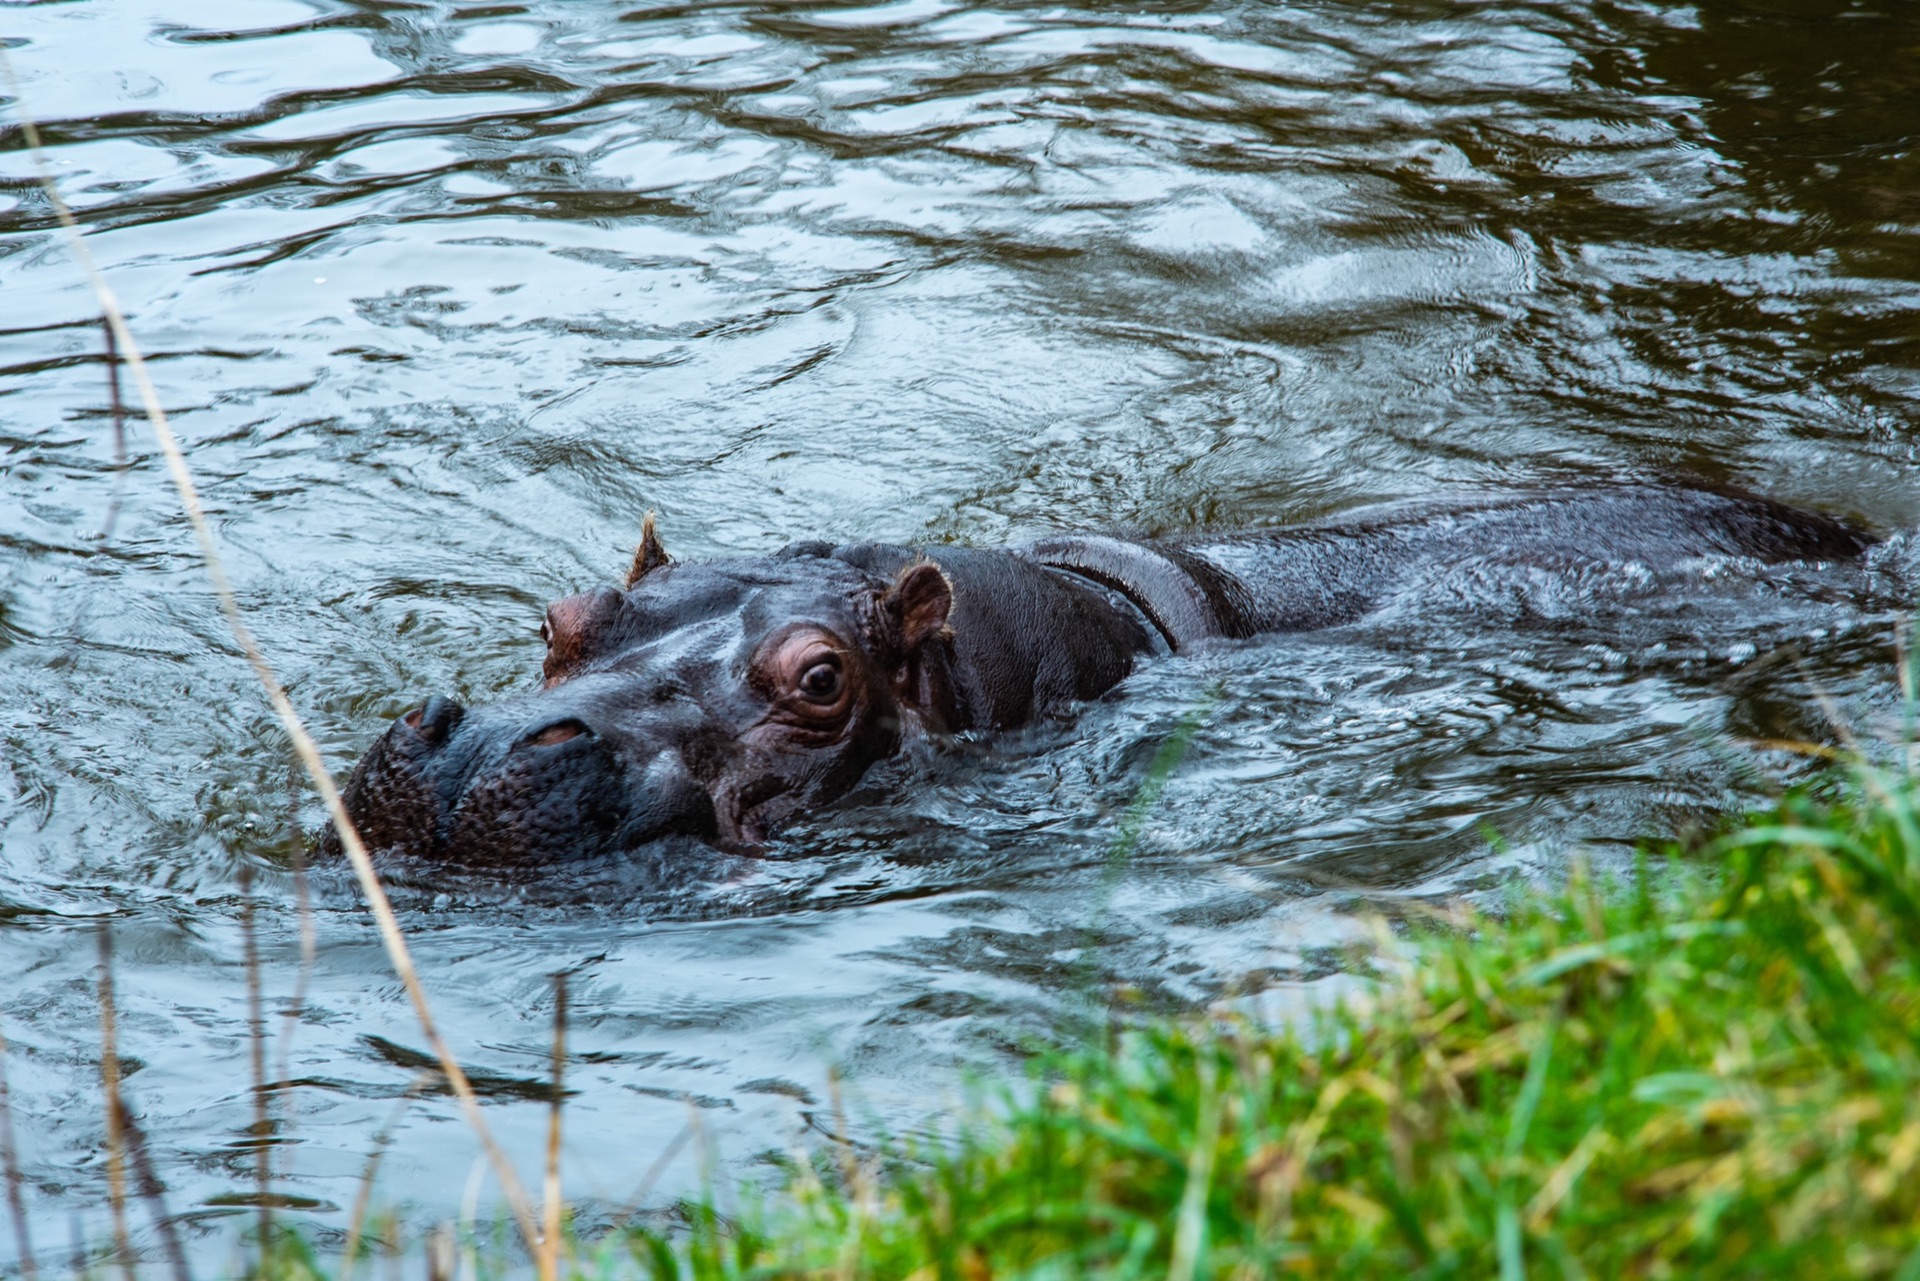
<point>443,298</point>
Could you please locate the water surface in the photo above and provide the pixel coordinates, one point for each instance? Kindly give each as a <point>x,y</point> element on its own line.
<point>443,298</point>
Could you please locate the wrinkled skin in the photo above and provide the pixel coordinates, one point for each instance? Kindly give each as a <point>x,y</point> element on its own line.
<point>721,699</point>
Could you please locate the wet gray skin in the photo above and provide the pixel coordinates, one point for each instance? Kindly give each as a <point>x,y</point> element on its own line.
<point>718,700</point>
<point>443,297</point>
<point>658,717</point>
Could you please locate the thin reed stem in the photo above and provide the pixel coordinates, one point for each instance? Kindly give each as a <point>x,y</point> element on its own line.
<point>153,1192</point>
<point>257,1047</point>
<point>304,746</point>
<point>309,951</point>
<point>116,1116</point>
<point>364,1197</point>
<point>16,1200</point>
<point>77,1242</point>
<point>119,407</point>
<point>550,1265</point>
<point>309,936</point>
<point>631,1206</point>
<point>850,1168</point>
<point>852,1175</point>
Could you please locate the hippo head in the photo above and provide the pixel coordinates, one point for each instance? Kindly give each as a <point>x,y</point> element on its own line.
<point>716,700</point>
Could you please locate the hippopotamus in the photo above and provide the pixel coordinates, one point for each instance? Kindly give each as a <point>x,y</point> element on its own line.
<point>722,699</point>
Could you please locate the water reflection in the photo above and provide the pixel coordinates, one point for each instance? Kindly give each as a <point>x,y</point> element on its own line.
<point>444,299</point>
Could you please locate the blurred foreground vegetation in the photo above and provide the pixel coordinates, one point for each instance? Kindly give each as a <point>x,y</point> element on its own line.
<point>1712,1070</point>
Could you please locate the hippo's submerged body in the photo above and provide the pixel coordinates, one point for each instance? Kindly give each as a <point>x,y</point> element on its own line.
<point>721,699</point>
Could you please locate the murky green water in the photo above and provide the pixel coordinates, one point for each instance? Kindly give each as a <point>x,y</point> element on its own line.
<point>444,298</point>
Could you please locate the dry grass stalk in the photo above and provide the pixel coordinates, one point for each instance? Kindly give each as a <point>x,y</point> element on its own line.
<point>110,1087</point>
<point>550,1229</point>
<point>364,1197</point>
<point>77,1247</point>
<point>119,405</point>
<point>309,936</point>
<point>16,1201</point>
<point>860,1198</point>
<point>631,1206</point>
<point>257,1050</point>
<point>153,1192</point>
<point>850,1171</point>
<point>304,746</point>
<point>441,1253</point>
<point>390,1243</point>
<point>309,951</point>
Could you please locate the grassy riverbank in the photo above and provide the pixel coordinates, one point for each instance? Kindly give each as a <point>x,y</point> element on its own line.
<point>1710,1070</point>
<point>1713,1071</point>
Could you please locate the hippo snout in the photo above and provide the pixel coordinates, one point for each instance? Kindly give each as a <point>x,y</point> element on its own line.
<point>434,720</point>
<point>391,795</point>
<point>513,785</point>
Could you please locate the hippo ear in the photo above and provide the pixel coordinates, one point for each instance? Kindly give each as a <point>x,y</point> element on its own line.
<point>921,598</point>
<point>649,555</point>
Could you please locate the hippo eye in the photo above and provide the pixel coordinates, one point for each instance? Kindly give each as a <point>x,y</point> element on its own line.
<point>821,682</point>
<point>804,673</point>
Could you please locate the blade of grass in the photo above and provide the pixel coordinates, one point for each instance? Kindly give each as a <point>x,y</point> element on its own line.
<point>1190,1221</point>
<point>1509,1237</point>
<point>1507,1243</point>
<point>1532,1087</point>
<point>1126,841</point>
<point>1165,761</point>
<point>308,751</point>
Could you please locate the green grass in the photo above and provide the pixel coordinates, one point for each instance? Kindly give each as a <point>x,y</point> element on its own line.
<point>1712,1071</point>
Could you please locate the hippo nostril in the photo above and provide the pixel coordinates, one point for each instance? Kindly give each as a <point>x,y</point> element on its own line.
<point>434,720</point>
<point>556,733</point>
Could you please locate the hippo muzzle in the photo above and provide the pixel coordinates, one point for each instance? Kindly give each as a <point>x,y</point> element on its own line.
<point>530,780</point>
